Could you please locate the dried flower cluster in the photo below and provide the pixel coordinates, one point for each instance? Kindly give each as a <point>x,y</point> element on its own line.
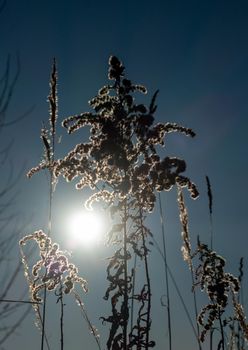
<point>218,285</point>
<point>121,152</point>
<point>52,271</point>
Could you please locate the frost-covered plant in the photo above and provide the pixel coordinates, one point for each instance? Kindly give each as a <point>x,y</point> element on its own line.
<point>120,162</point>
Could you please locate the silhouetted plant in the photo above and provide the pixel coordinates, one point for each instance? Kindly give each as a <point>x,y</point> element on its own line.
<point>122,164</point>
<point>52,272</point>
<point>218,284</point>
<point>221,288</point>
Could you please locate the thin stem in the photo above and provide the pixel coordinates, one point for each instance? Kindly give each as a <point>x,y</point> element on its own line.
<point>53,90</point>
<point>49,235</point>
<point>221,330</point>
<point>43,319</point>
<point>148,320</point>
<point>166,271</point>
<point>133,289</point>
<point>18,301</point>
<point>196,309</point>
<point>187,247</point>
<point>86,317</point>
<point>211,338</point>
<point>61,318</point>
<point>125,302</point>
<point>210,209</point>
<point>177,288</point>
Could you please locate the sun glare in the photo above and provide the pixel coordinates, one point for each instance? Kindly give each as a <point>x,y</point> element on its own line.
<point>86,228</point>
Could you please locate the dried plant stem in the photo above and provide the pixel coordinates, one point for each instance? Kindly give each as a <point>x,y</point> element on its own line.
<point>43,319</point>
<point>211,339</point>
<point>46,340</point>
<point>49,235</point>
<point>19,301</point>
<point>210,208</point>
<point>61,318</point>
<point>148,318</point>
<point>196,310</point>
<point>125,302</point>
<point>187,249</point>
<point>177,288</point>
<point>52,98</point>
<point>133,290</point>
<point>240,340</point>
<point>166,271</point>
<point>221,330</point>
<point>86,317</point>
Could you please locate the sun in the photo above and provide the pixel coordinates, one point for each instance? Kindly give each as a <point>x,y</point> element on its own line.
<point>85,228</point>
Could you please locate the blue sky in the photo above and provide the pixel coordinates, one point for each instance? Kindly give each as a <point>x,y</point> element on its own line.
<point>196,54</point>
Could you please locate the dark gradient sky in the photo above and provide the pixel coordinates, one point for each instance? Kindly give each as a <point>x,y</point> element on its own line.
<point>196,54</point>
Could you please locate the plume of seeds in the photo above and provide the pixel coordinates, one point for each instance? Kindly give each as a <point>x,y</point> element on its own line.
<point>210,196</point>
<point>186,247</point>
<point>53,99</point>
<point>48,135</point>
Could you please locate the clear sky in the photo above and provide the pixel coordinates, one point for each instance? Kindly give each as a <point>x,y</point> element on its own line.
<point>196,54</point>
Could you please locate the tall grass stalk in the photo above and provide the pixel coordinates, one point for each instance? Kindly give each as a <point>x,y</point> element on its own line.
<point>187,255</point>
<point>50,152</point>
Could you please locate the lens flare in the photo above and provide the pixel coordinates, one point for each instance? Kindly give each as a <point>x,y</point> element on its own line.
<point>86,228</point>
